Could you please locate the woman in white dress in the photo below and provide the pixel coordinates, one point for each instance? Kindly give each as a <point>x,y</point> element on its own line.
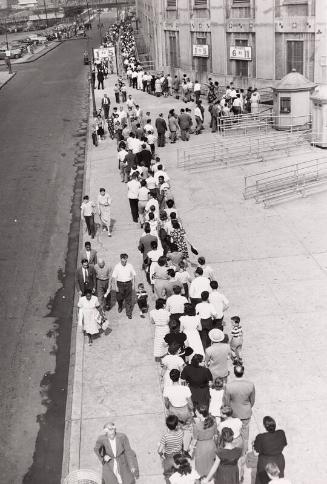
<point>191,325</point>
<point>89,314</point>
<point>160,318</point>
<point>104,202</point>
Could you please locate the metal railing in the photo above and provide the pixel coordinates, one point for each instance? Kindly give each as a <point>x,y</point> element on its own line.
<point>240,151</point>
<point>285,182</point>
<point>263,120</point>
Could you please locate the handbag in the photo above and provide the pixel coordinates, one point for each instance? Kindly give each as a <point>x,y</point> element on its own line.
<point>194,251</point>
<point>251,460</point>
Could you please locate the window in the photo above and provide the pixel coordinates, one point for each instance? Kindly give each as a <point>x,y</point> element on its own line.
<point>200,3</point>
<point>172,4</point>
<point>285,105</point>
<point>242,67</point>
<point>295,56</point>
<point>172,42</point>
<point>241,2</point>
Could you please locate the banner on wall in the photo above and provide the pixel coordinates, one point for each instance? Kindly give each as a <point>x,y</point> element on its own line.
<point>200,50</point>
<point>240,53</point>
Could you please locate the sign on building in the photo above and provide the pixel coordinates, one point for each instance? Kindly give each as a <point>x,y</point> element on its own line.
<point>240,53</point>
<point>200,50</point>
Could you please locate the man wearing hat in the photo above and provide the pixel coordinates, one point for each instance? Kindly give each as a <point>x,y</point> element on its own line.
<point>217,355</point>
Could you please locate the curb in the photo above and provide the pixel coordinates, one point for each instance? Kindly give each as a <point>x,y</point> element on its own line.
<point>9,79</point>
<point>73,418</point>
<point>39,55</point>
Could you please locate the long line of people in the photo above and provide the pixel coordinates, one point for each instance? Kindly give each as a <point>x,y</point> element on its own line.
<point>208,412</point>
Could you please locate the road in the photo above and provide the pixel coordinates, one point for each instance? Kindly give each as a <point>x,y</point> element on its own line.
<point>42,139</point>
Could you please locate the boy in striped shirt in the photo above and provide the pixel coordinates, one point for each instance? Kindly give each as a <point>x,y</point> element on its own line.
<point>171,443</point>
<point>236,340</point>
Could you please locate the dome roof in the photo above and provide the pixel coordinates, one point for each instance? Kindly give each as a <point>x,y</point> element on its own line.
<point>320,93</point>
<point>294,81</point>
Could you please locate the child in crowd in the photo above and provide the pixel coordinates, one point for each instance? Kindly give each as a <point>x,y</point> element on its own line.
<point>236,340</point>
<point>216,398</point>
<point>142,300</point>
<point>184,277</point>
<point>171,443</point>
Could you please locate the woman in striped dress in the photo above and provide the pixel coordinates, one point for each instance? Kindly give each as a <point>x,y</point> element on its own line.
<point>160,318</point>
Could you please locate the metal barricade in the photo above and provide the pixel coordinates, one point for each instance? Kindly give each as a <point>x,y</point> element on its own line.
<point>287,181</point>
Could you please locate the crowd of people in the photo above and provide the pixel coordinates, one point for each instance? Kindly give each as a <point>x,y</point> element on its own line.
<point>207,397</point>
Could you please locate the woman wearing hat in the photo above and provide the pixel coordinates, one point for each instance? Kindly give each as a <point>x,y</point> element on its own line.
<point>217,354</point>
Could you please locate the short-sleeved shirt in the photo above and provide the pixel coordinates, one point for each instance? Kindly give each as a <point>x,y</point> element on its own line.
<point>177,395</point>
<point>172,442</point>
<point>123,273</point>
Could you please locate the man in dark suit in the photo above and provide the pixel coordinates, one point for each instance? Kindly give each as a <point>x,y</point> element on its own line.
<point>85,278</point>
<point>105,103</point>
<point>145,156</point>
<point>145,242</point>
<point>118,459</point>
<point>240,396</point>
<point>89,254</point>
<point>161,127</point>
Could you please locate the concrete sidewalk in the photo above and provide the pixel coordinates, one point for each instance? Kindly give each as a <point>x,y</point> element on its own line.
<point>271,264</point>
<point>5,77</point>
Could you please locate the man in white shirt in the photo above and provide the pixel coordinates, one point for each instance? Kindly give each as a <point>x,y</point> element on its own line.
<point>130,103</point>
<point>121,164</point>
<point>175,303</point>
<point>87,211</point>
<point>122,115</point>
<point>133,187</point>
<point>160,172</point>
<point>207,313</point>
<point>123,282</point>
<point>197,91</point>
<point>152,201</point>
<point>220,302</point>
<point>198,285</point>
<point>237,105</point>
<point>148,128</point>
<point>198,119</point>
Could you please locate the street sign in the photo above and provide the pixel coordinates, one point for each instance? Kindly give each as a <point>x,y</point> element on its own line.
<point>200,50</point>
<point>240,53</point>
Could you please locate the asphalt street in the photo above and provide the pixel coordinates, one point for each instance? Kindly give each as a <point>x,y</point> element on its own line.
<point>42,143</point>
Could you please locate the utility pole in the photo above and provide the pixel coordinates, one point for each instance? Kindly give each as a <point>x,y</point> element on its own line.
<point>100,25</point>
<point>90,77</point>
<point>6,32</point>
<point>46,14</point>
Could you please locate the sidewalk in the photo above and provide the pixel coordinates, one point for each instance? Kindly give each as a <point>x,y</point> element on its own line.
<point>5,77</point>
<point>271,264</point>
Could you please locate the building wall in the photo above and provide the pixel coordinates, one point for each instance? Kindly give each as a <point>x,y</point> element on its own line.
<point>281,34</point>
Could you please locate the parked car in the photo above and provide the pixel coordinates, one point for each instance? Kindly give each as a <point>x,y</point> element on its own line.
<point>15,51</point>
<point>38,39</point>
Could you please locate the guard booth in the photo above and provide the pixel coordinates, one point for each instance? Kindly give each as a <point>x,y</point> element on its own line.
<point>319,116</point>
<point>291,102</point>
